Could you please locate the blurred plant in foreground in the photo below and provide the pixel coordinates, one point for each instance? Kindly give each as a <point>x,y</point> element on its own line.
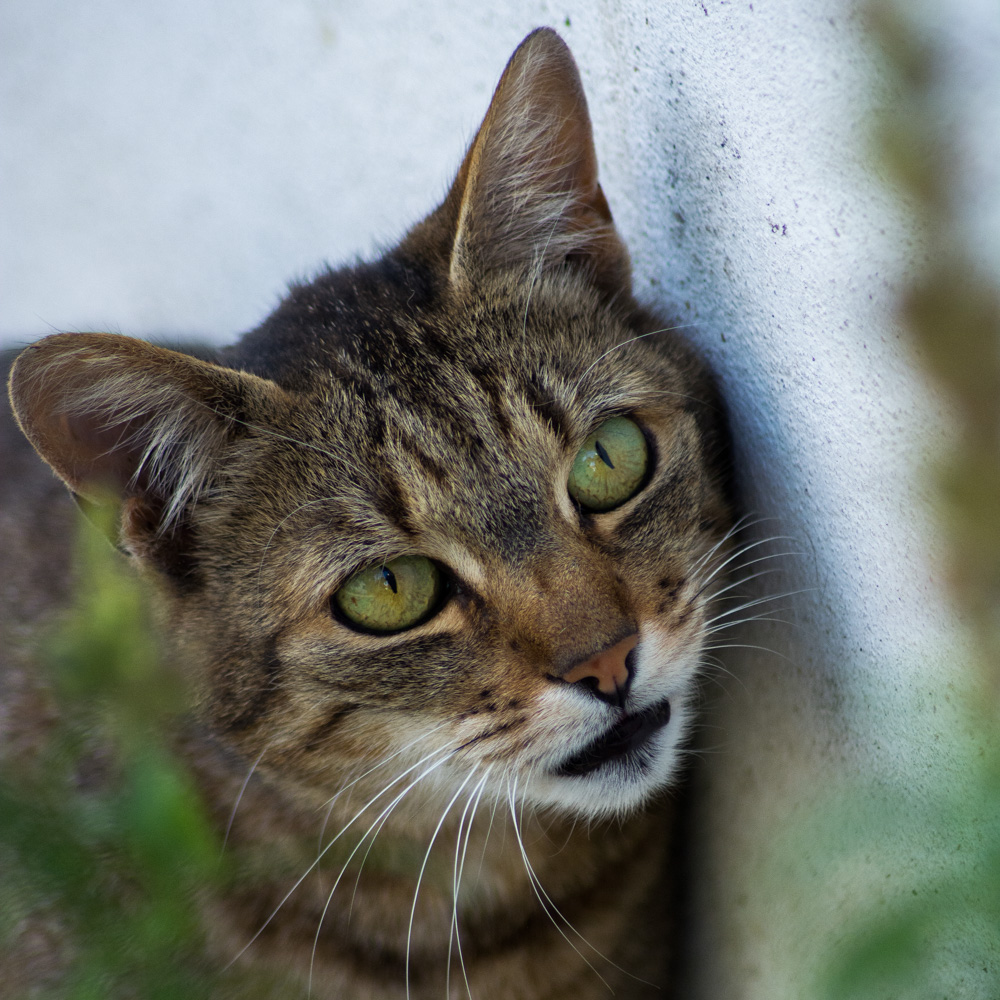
<point>103,832</point>
<point>941,938</point>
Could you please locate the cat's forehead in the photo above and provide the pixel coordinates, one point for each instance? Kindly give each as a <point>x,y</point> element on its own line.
<point>382,348</point>
<point>443,449</point>
<point>493,390</point>
<point>447,417</point>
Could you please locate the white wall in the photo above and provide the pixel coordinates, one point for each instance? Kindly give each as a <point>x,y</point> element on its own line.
<point>164,170</point>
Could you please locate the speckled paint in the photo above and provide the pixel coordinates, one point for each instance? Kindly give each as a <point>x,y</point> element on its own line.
<point>163,172</point>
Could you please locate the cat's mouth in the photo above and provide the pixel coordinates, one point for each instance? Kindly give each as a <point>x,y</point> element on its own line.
<point>624,739</point>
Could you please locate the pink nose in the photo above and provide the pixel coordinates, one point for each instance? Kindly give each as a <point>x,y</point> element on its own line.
<point>606,673</point>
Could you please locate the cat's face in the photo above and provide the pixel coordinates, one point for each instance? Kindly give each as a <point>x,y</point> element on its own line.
<point>453,516</point>
<point>449,433</point>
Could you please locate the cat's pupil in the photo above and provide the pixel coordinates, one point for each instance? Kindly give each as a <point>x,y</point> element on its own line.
<point>604,455</point>
<point>390,579</point>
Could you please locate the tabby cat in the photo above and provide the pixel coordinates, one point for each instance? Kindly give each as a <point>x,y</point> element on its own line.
<point>437,543</point>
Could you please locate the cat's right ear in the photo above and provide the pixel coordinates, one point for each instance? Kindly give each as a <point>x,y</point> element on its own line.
<point>122,420</point>
<point>527,197</point>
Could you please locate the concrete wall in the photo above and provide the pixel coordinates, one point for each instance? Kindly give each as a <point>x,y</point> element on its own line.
<point>165,171</point>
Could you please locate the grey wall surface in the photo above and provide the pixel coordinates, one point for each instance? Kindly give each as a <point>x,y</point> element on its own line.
<point>164,170</point>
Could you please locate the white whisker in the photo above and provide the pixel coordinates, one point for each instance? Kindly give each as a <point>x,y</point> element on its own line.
<point>625,343</point>
<point>455,934</point>
<point>750,603</point>
<point>753,576</point>
<point>423,868</point>
<point>718,667</point>
<point>486,839</point>
<point>239,798</point>
<point>379,822</point>
<point>319,857</point>
<point>719,545</point>
<point>733,556</point>
<point>769,617</point>
<point>332,801</point>
<point>748,645</point>
<point>540,893</point>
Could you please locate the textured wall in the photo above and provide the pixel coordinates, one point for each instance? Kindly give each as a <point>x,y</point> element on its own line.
<point>165,172</point>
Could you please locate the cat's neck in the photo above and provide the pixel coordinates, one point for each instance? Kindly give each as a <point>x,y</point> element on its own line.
<point>391,897</point>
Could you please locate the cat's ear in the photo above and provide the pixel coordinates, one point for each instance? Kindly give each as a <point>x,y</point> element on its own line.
<point>527,195</point>
<point>121,419</point>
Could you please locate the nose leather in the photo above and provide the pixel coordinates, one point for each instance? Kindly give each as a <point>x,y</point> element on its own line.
<point>606,674</point>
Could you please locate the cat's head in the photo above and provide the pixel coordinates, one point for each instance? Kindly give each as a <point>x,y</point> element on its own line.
<point>457,511</point>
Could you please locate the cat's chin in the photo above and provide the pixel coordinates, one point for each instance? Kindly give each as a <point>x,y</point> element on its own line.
<point>617,772</point>
<point>626,742</point>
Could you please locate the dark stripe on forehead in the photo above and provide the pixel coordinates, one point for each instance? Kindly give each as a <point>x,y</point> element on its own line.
<point>451,412</point>
<point>438,347</point>
<point>431,467</point>
<point>355,382</point>
<point>541,399</point>
<point>390,501</point>
<point>414,351</point>
<point>375,423</point>
<point>496,398</point>
<point>364,400</point>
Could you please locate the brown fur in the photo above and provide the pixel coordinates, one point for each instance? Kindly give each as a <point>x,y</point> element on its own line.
<point>431,402</point>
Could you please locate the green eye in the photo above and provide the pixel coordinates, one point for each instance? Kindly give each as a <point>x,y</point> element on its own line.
<point>610,466</point>
<point>391,596</point>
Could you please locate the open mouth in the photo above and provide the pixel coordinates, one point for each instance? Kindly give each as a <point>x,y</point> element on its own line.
<point>623,739</point>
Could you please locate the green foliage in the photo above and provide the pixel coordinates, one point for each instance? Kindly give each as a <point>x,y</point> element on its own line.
<point>103,832</point>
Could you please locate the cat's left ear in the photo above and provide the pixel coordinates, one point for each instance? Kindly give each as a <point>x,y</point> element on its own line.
<point>121,421</point>
<point>526,196</point>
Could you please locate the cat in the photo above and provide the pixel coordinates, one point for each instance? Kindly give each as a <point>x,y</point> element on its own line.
<point>441,535</point>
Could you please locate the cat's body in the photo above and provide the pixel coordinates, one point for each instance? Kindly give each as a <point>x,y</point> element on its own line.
<point>429,407</point>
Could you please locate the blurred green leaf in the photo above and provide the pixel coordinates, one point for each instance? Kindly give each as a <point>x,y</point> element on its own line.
<point>106,828</point>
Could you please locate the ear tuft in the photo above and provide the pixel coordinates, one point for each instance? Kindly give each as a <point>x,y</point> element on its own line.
<point>115,415</point>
